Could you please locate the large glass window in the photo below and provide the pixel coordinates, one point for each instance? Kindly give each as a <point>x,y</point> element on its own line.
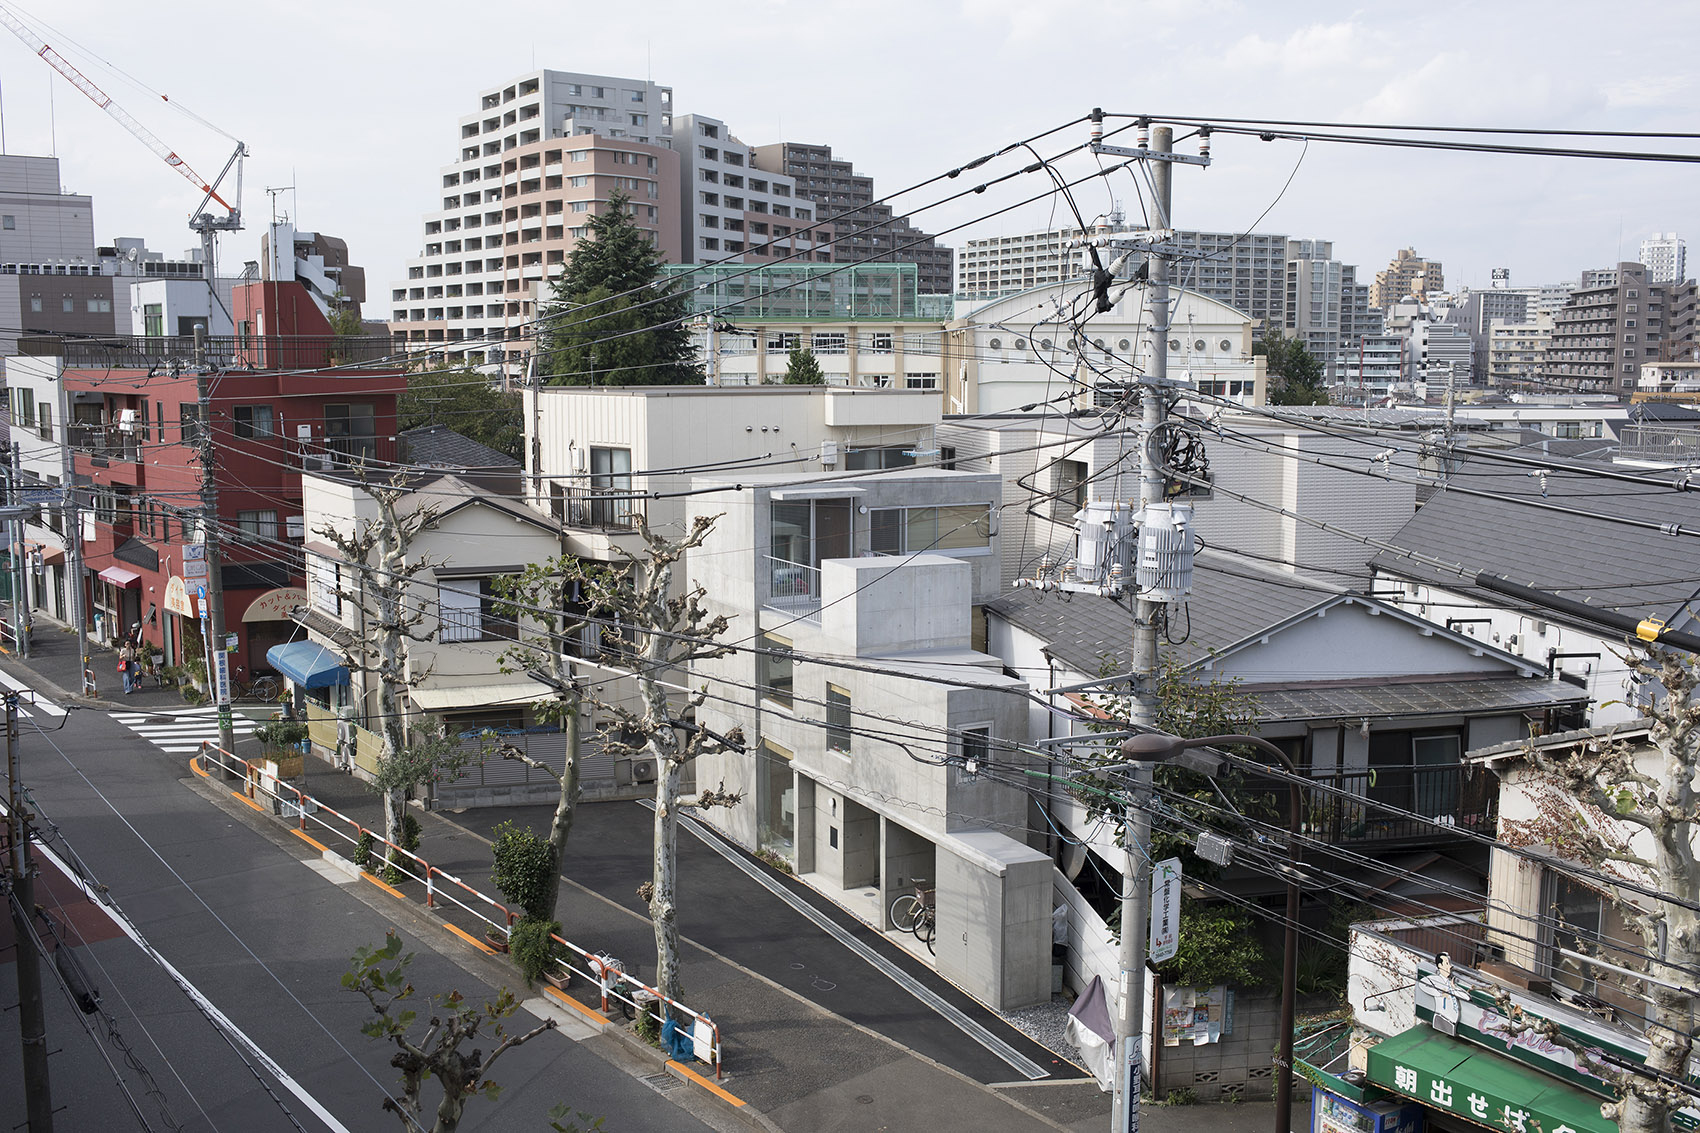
<point>774,669</point>
<point>777,799</point>
<point>908,531</point>
<point>837,719</point>
<point>467,611</point>
<point>249,421</point>
<point>807,532</point>
<point>611,486</point>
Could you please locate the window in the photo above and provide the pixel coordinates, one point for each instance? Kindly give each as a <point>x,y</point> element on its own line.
<point>774,669</point>
<point>322,584</point>
<point>868,459</point>
<point>976,748</point>
<point>829,343</point>
<point>610,486</point>
<point>1070,494</point>
<point>100,306</point>
<point>252,421</point>
<point>837,719</point>
<point>257,526</point>
<point>351,429</point>
<point>8,222</point>
<point>44,427</point>
<point>190,422</point>
<point>467,612</point>
<point>907,531</point>
<point>781,343</point>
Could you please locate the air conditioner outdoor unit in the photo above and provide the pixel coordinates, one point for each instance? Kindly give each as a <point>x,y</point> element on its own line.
<point>643,770</point>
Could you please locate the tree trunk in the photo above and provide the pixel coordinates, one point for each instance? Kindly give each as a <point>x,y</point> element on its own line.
<point>663,909</point>
<point>566,804</point>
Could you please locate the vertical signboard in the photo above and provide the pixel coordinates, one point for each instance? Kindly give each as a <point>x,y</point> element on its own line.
<point>1165,910</point>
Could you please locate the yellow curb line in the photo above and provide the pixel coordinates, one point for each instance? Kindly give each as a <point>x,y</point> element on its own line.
<point>576,1005</point>
<point>705,1083</point>
<point>469,938</point>
<point>301,835</point>
<point>249,801</point>
<point>195,766</point>
<point>385,886</point>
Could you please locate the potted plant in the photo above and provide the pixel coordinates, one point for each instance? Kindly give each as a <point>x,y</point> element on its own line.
<point>285,743</point>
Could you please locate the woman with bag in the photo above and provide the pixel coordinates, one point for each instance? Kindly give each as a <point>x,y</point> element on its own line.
<point>127,667</point>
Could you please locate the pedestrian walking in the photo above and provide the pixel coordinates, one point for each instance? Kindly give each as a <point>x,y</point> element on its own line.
<point>127,667</point>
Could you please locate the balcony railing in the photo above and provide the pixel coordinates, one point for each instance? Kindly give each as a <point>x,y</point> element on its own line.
<point>1668,444</point>
<point>793,588</point>
<point>603,507</point>
<point>107,442</point>
<point>231,352</point>
<point>1444,798</point>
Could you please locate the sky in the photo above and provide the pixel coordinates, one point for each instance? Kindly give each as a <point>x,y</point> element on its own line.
<point>353,110</point>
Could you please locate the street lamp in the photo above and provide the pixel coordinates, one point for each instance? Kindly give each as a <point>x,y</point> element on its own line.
<point>1151,747</point>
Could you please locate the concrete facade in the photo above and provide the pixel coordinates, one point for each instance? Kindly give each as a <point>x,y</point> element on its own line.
<point>883,762</point>
<point>1614,323</point>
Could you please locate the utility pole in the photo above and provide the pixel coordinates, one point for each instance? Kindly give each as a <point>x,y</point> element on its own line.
<point>217,658</point>
<point>73,537</point>
<point>32,1018</point>
<point>20,569</point>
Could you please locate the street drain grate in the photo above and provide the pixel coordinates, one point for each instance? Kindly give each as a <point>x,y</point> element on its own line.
<point>662,1082</point>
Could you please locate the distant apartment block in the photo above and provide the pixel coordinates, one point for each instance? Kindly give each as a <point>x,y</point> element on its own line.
<point>1666,257</point>
<point>733,212</point>
<point>1517,351</point>
<point>538,158</point>
<point>1615,322</point>
<point>866,230</point>
<point>1408,275</point>
<point>1246,270</point>
<point>1327,307</point>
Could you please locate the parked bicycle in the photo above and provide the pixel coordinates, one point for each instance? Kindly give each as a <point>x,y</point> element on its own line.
<point>263,688</point>
<point>915,913</point>
<point>614,976</point>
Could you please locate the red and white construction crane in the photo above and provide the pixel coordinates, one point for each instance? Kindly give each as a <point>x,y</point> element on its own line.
<point>201,221</point>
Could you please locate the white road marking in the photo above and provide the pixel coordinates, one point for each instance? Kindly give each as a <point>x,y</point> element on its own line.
<point>180,731</point>
<point>34,700</point>
<point>221,1020</point>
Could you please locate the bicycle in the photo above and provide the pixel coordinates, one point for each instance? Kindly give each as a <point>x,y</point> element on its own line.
<point>915,913</point>
<point>262,688</point>
<point>614,975</point>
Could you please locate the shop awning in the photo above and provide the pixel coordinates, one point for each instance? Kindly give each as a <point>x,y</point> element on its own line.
<point>121,578</point>
<point>462,697</point>
<point>1480,1086</point>
<point>308,664</point>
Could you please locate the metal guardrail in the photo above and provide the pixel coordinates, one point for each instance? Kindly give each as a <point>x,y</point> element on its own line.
<point>293,804</point>
<point>1443,795</point>
<point>241,351</point>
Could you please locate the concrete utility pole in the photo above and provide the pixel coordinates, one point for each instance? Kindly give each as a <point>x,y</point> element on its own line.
<point>20,572</point>
<point>1129,1025</point>
<point>218,659</point>
<point>73,538</point>
<point>32,1017</point>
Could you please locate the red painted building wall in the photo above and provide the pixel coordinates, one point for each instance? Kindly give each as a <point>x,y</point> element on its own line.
<point>286,403</point>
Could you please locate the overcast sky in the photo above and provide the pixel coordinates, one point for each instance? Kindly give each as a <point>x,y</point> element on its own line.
<point>356,104</point>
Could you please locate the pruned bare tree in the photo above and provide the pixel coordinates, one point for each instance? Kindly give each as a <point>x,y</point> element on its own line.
<point>1631,811</point>
<point>671,631</point>
<point>383,574</point>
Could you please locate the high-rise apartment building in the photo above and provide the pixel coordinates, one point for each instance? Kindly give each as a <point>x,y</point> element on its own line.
<point>1613,323</point>
<point>866,230</point>
<point>1327,307</point>
<point>1246,270</point>
<point>732,211</point>
<point>538,158</point>
<point>1666,257</point>
<point>1479,311</point>
<point>1517,351</point>
<point>1408,274</point>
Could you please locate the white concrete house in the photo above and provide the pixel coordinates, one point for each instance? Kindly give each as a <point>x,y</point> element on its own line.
<point>881,762</point>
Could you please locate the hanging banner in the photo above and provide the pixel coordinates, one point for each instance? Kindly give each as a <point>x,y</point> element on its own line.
<point>1165,910</point>
<point>177,598</point>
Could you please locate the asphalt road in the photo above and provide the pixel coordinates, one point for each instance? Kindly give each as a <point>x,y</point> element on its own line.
<point>265,937</point>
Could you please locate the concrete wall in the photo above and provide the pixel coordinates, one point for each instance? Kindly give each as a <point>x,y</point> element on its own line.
<point>994,919</point>
<point>1241,1065</point>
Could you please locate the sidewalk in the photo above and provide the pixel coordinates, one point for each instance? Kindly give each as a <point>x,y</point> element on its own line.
<point>796,1065</point>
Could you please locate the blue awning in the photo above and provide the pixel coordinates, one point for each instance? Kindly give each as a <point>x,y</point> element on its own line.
<point>308,664</point>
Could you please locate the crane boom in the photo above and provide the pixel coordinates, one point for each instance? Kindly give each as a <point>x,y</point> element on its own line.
<point>103,100</point>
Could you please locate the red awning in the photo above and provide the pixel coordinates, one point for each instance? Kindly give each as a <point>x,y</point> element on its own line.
<point>122,578</point>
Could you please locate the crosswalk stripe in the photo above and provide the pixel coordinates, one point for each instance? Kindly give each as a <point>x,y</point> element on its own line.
<point>180,731</point>
<point>35,700</point>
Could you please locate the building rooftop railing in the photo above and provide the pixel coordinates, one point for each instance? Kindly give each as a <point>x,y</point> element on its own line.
<point>225,352</point>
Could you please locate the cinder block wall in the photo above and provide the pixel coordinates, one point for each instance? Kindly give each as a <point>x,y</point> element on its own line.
<point>1243,1063</point>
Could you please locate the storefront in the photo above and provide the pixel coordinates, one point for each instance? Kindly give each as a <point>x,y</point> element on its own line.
<point>117,603</point>
<point>266,623</point>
